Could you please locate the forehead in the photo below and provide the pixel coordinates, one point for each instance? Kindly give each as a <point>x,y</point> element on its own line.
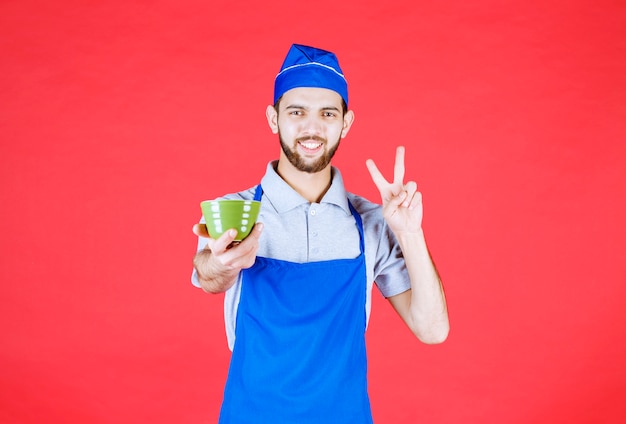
<point>311,97</point>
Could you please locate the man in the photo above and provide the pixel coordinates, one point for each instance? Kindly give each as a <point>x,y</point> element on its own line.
<point>298,289</point>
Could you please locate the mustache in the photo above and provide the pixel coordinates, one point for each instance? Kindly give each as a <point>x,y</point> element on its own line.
<point>311,138</point>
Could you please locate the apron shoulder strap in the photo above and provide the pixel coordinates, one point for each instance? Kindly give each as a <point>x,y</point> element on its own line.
<point>258,193</point>
<point>359,224</point>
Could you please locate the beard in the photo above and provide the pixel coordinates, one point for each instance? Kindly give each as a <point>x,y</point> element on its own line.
<point>307,166</point>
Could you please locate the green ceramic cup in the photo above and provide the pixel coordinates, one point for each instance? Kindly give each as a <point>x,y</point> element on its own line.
<point>222,215</point>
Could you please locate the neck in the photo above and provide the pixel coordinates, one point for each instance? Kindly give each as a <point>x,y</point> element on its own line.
<point>311,186</point>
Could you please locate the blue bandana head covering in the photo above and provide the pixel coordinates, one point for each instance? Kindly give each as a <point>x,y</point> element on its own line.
<point>310,67</point>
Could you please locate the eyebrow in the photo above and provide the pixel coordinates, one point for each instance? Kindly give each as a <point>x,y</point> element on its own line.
<point>297,106</point>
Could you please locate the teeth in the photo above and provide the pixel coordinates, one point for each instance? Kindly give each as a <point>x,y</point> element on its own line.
<point>311,145</point>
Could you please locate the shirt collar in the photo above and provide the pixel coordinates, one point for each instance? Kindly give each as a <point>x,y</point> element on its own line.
<point>284,198</point>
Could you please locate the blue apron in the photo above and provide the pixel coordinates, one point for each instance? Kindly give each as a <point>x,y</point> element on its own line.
<point>299,354</point>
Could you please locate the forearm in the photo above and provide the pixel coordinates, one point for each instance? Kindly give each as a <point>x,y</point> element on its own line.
<point>427,310</point>
<point>212,277</point>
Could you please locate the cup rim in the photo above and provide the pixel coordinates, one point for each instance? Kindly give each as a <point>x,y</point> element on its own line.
<point>230,200</point>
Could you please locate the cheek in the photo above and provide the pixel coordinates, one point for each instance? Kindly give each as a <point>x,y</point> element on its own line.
<point>284,130</point>
<point>284,125</point>
<point>338,133</point>
<point>344,130</point>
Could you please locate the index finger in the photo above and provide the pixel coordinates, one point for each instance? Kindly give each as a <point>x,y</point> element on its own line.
<point>398,168</point>
<point>378,178</point>
<point>224,241</point>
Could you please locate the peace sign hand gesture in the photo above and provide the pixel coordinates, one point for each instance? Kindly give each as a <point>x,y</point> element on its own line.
<point>402,203</point>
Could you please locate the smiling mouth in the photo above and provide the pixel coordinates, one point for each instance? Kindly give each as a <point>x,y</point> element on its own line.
<point>310,145</point>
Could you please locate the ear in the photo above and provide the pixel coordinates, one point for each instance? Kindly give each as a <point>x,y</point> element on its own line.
<point>348,119</point>
<point>272,118</point>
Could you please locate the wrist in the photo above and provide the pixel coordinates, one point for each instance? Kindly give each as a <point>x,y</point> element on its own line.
<point>212,276</point>
<point>411,236</point>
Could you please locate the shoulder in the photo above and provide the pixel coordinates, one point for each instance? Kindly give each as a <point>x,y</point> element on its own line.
<point>371,213</point>
<point>247,194</point>
<point>364,206</point>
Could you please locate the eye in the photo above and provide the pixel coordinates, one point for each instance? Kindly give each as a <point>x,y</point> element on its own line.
<point>328,114</point>
<point>296,113</point>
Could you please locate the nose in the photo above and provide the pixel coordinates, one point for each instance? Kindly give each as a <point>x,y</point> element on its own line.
<point>312,125</point>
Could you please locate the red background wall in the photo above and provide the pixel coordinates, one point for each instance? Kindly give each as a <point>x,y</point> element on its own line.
<point>118,118</point>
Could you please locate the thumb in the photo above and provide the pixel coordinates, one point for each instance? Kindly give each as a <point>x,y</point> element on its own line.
<point>200,230</point>
<point>398,195</point>
<point>392,192</point>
